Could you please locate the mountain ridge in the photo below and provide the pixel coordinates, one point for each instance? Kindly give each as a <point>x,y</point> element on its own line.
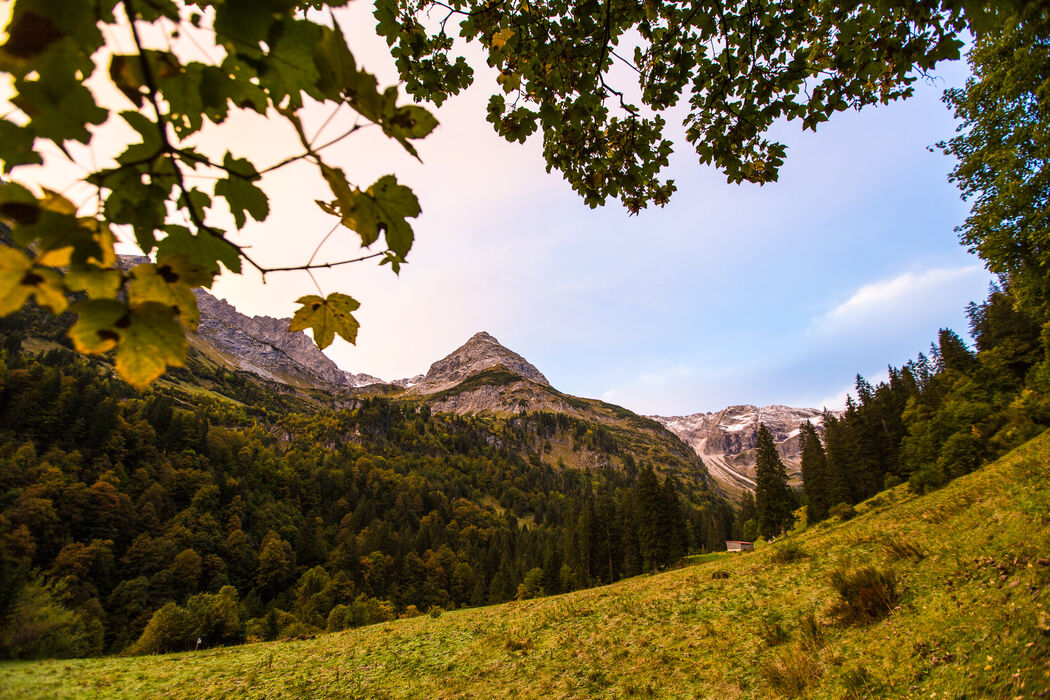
<point>484,376</point>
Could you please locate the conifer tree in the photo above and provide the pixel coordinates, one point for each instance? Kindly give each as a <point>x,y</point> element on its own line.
<point>773,499</point>
<point>814,474</point>
<point>650,518</point>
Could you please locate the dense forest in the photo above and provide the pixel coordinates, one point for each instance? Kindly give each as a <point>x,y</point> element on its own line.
<point>141,522</point>
<point>937,417</point>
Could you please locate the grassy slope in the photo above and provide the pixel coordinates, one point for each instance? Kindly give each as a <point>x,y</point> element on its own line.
<point>973,622</point>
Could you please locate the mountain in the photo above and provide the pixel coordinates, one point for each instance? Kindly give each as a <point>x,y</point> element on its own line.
<point>265,347</point>
<point>479,353</point>
<point>725,440</point>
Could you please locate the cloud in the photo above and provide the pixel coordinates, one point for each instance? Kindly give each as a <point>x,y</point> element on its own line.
<point>904,297</point>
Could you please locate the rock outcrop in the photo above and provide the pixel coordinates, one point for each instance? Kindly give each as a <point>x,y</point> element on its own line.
<point>726,440</point>
<point>264,346</point>
<point>479,353</point>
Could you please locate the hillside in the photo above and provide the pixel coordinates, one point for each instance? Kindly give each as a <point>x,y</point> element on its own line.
<point>972,569</point>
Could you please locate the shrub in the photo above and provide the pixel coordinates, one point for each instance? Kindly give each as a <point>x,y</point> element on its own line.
<point>898,548</point>
<point>810,633</point>
<point>960,454</point>
<point>927,478</point>
<point>170,629</point>
<point>787,552</point>
<point>40,626</point>
<point>790,670</point>
<point>435,611</point>
<point>771,631</point>
<point>337,618</point>
<point>860,684</point>
<point>843,511</point>
<point>865,594</point>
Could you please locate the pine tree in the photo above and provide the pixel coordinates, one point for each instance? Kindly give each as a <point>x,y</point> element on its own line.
<point>676,533</point>
<point>650,520</point>
<point>773,498</point>
<point>814,474</point>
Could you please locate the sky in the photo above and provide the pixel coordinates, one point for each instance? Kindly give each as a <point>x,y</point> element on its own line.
<point>730,294</point>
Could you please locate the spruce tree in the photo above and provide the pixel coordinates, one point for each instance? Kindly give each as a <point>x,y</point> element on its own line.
<point>773,498</point>
<point>814,474</point>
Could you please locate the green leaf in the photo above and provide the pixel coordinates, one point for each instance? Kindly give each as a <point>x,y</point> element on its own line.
<point>59,110</point>
<point>126,73</point>
<point>382,208</point>
<point>30,34</point>
<point>290,69</point>
<point>204,250</point>
<point>240,191</point>
<point>95,329</point>
<point>151,145</point>
<point>96,282</point>
<point>393,204</point>
<point>150,283</point>
<point>14,266</point>
<point>335,64</point>
<point>326,317</point>
<point>150,342</point>
<point>16,146</point>
<point>148,337</point>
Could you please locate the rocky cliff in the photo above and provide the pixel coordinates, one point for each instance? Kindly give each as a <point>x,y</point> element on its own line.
<point>264,346</point>
<point>479,353</point>
<point>726,440</point>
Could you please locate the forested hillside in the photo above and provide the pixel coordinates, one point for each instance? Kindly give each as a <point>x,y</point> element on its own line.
<point>938,417</point>
<point>222,507</point>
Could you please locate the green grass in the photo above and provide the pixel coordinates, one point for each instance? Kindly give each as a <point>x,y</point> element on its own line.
<point>971,619</point>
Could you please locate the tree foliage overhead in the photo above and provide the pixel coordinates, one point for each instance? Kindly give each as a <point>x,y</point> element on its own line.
<point>1003,152</point>
<point>271,58</point>
<point>740,66</point>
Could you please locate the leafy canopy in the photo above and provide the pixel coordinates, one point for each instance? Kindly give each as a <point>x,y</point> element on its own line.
<point>741,66</point>
<point>1003,152</point>
<point>271,57</point>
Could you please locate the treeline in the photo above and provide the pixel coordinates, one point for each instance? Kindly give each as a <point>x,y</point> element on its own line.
<point>938,417</point>
<point>141,523</point>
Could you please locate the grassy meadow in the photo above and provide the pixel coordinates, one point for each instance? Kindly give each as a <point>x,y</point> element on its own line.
<point>964,574</point>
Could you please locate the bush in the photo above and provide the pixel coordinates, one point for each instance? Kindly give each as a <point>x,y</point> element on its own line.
<point>170,629</point>
<point>790,670</point>
<point>898,548</point>
<point>771,631</point>
<point>865,594</point>
<point>39,626</point>
<point>810,633</point>
<point>787,552</point>
<point>960,454</point>
<point>337,618</point>
<point>860,684</point>
<point>843,511</point>
<point>927,478</point>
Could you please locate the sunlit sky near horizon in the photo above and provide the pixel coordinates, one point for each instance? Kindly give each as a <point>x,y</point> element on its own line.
<point>730,294</point>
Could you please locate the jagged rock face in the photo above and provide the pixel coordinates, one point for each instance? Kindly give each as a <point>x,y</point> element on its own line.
<point>409,381</point>
<point>726,440</point>
<point>264,346</point>
<point>479,353</point>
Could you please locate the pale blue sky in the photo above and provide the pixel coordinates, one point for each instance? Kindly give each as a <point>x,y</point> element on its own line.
<point>730,294</point>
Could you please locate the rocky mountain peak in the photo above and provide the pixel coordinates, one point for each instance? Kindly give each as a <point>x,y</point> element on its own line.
<point>481,351</point>
<point>264,346</point>
<point>726,440</point>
